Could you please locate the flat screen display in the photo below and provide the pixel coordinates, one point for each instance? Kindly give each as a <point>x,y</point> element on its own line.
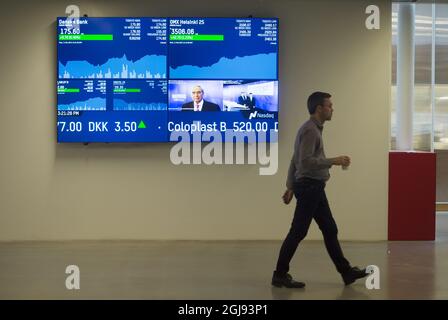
<point>149,79</point>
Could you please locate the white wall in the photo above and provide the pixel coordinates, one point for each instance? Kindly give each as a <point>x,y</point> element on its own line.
<point>50,191</point>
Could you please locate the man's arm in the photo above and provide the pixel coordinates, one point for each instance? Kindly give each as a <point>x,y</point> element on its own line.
<point>307,144</point>
<point>287,196</point>
<point>291,174</point>
<point>310,161</point>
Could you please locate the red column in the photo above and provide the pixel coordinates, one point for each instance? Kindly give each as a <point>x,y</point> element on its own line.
<point>412,195</point>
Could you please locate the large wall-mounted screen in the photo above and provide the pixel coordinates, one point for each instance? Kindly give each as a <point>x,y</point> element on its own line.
<point>154,79</point>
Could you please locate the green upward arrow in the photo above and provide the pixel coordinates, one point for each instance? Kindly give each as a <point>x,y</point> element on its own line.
<point>142,125</point>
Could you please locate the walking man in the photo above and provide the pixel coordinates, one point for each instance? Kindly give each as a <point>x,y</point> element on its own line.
<point>307,177</point>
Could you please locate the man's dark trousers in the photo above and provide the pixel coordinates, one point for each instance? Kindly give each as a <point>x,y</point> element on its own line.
<point>311,203</point>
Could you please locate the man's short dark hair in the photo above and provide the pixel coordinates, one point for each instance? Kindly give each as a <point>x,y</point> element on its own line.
<point>316,99</point>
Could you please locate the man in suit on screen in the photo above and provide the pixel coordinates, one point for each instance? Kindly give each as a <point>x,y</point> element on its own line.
<point>198,103</point>
<point>242,99</point>
<point>251,101</point>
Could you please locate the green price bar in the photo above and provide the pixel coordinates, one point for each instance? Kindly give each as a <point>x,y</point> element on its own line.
<point>127,90</point>
<point>68,90</point>
<point>197,37</point>
<point>68,37</point>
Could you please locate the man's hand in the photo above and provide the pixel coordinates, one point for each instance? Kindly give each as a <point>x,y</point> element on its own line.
<point>287,196</point>
<point>341,161</point>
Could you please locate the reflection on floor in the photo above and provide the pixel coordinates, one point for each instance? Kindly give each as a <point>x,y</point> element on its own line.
<point>442,226</point>
<point>216,270</point>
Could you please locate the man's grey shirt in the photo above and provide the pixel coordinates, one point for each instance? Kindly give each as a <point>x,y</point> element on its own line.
<point>309,158</point>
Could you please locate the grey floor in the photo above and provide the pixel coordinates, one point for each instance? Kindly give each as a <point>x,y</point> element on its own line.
<point>218,270</point>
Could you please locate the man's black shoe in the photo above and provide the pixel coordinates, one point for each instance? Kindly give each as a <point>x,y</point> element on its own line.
<point>285,281</point>
<point>353,274</point>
